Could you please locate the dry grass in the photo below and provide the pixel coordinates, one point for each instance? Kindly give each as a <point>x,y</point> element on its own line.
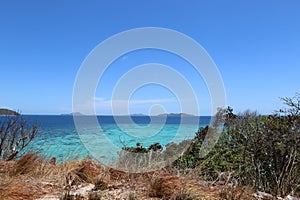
<point>235,193</point>
<point>163,186</point>
<point>183,195</point>
<point>33,177</point>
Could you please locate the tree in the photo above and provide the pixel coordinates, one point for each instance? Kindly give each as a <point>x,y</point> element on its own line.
<point>15,136</point>
<point>262,151</point>
<point>259,151</point>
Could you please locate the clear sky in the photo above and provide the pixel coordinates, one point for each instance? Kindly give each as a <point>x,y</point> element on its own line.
<point>255,45</point>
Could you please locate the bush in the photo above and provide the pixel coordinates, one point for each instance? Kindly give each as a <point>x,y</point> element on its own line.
<point>262,151</point>
<point>139,158</point>
<point>15,136</point>
<point>259,151</point>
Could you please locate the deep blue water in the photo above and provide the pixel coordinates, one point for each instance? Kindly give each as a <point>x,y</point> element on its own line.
<point>60,137</point>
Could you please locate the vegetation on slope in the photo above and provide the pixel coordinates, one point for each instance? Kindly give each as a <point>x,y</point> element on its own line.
<point>259,151</point>
<point>255,150</point>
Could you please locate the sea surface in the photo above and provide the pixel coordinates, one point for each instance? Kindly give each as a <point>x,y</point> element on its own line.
<point>104,136</point>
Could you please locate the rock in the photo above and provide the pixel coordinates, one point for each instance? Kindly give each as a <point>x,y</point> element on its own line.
<point>289,197</point>
<point>119,194</point>
<point>262,196</point>
<point>49,197</point>
<point>83,191</point>
<point>267,196</point>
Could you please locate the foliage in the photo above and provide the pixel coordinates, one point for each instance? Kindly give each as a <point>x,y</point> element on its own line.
<point>15,136</point>
<point>140,158</point>
<point>140,149</point>
<point>260,151</point>
<point>155,147</point>
<point>255,150</point>
<point>191,157</point>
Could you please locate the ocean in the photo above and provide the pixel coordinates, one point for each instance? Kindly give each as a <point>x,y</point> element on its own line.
<point>60,137</point>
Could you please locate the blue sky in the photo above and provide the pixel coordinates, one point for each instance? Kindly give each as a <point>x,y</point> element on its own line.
<point>255,45</point>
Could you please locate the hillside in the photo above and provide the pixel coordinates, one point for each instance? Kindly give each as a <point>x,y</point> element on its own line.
<point>4,111</point>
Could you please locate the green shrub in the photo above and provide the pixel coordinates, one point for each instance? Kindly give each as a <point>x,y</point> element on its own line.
<point>260,151</point>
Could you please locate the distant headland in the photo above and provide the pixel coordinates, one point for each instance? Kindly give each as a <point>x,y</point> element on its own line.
<point>177,115</point>
<point>7,112</point>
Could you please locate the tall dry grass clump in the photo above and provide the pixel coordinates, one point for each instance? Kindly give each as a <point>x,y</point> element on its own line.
<point>163,186</point>
<point>32,176</point>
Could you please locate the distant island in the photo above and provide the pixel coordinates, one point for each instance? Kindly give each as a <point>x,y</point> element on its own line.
<point>138,114</point>
<point>177,115</point>
<point>134,115</point>
<point>73,114</point>
<point>7,112</point>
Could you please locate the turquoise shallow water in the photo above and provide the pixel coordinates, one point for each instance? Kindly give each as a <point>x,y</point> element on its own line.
<point>60,137</point>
